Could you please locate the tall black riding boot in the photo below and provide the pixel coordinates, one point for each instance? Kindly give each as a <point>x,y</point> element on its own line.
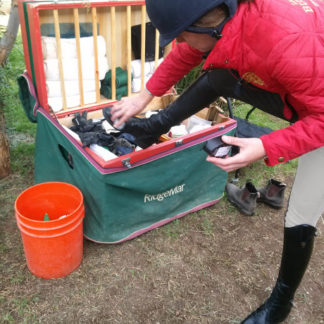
<point>297,250</point>
<point>148,130</point>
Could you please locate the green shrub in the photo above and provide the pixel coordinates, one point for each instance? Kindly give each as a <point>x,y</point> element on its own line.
<point>188,79</point>
<point>16,120</point>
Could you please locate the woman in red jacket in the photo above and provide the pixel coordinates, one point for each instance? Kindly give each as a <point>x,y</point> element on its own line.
<point>268,53</point>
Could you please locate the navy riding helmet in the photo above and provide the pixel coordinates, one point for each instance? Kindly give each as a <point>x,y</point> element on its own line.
<point>172,17</point>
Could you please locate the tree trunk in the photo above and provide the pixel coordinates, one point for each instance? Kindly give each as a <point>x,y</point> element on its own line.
<point>4,149</point>
<point>7,42</point>
<point>8,39</point>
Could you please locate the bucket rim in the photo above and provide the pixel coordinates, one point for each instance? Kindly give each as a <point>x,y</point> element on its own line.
<point>51,225</point>
<point>77,209</point>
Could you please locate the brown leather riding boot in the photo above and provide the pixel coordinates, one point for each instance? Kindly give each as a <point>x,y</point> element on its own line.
<point>244,198</point>
<point>273,194</point>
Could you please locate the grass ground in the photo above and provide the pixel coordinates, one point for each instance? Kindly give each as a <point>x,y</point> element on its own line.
<point>212,266</point>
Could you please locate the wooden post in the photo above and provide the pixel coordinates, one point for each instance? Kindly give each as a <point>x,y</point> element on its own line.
<point>143,39</point>
<point>78,48</point>
<point>59,54</point>
<point>113,53</point>
<point>4,148</point>
<point>129,51</point>
<point>95,51</point>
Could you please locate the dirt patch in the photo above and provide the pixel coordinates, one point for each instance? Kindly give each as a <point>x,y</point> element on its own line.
<point>18,138</point>
<point>212,266</point>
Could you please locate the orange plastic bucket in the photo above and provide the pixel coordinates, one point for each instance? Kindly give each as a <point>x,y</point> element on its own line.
<point>53,248</point>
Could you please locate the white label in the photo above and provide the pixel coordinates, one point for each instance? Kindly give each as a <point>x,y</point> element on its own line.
<point>160,196</point>
<point>222,151</point>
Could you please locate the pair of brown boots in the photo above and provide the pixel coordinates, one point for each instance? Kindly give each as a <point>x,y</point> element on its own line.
<point>246,198</point>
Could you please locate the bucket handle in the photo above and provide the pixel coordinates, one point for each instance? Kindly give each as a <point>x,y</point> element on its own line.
<point>81,211</point>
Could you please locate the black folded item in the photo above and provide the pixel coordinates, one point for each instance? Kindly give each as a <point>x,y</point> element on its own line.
<point>92,133</point>
<point>245,129</point>
<point>99,137</point>
<point>82,124</point>
<point>137,127</point>
<point>217,148</point>
<point>117,143</point>
<point>149,42</point>
<point>124,144</point>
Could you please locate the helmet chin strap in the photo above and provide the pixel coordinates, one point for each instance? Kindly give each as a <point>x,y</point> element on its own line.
<point>215,32</point>
<point>211,31</point>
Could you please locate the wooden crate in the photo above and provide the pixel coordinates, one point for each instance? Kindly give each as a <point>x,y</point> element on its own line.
<point>110,20</point>
<point>113,22</point>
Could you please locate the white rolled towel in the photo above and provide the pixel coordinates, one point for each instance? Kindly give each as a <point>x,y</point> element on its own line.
<point>136,68</point>
<point>104,153</point>
<point>149,113</point>
<point>108,128</point>
<point>68,47</point>
<point>71,87</point>
<point>56,103</point>
<point>177,131</point>
<point>73,134</point>
<point>137,83</point>
<point>196,123</point>
<point>71,70</point>
<point>198,128</point>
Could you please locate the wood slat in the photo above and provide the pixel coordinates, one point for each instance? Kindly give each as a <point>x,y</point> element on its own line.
<point>129,51</point>
<point>59,54</point>
<point>143,39</point>
<point>95,51</point>
<point>78,49</point>
<point>113,52</point>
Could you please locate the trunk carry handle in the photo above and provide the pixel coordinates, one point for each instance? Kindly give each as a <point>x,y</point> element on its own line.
<point>27,96</point>
<point>67,156</point>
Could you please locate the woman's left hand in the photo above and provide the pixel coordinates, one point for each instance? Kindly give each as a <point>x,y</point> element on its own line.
<point>251,150</point>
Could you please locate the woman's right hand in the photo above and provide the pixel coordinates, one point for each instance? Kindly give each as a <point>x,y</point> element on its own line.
<point>251,150</point>
<point>129,106</point>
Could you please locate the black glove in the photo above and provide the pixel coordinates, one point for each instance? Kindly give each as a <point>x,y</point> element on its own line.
<point>100,138</point>
<point>81,124</point>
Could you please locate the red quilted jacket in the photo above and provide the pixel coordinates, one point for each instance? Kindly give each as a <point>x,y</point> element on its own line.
<point>277,45</point>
